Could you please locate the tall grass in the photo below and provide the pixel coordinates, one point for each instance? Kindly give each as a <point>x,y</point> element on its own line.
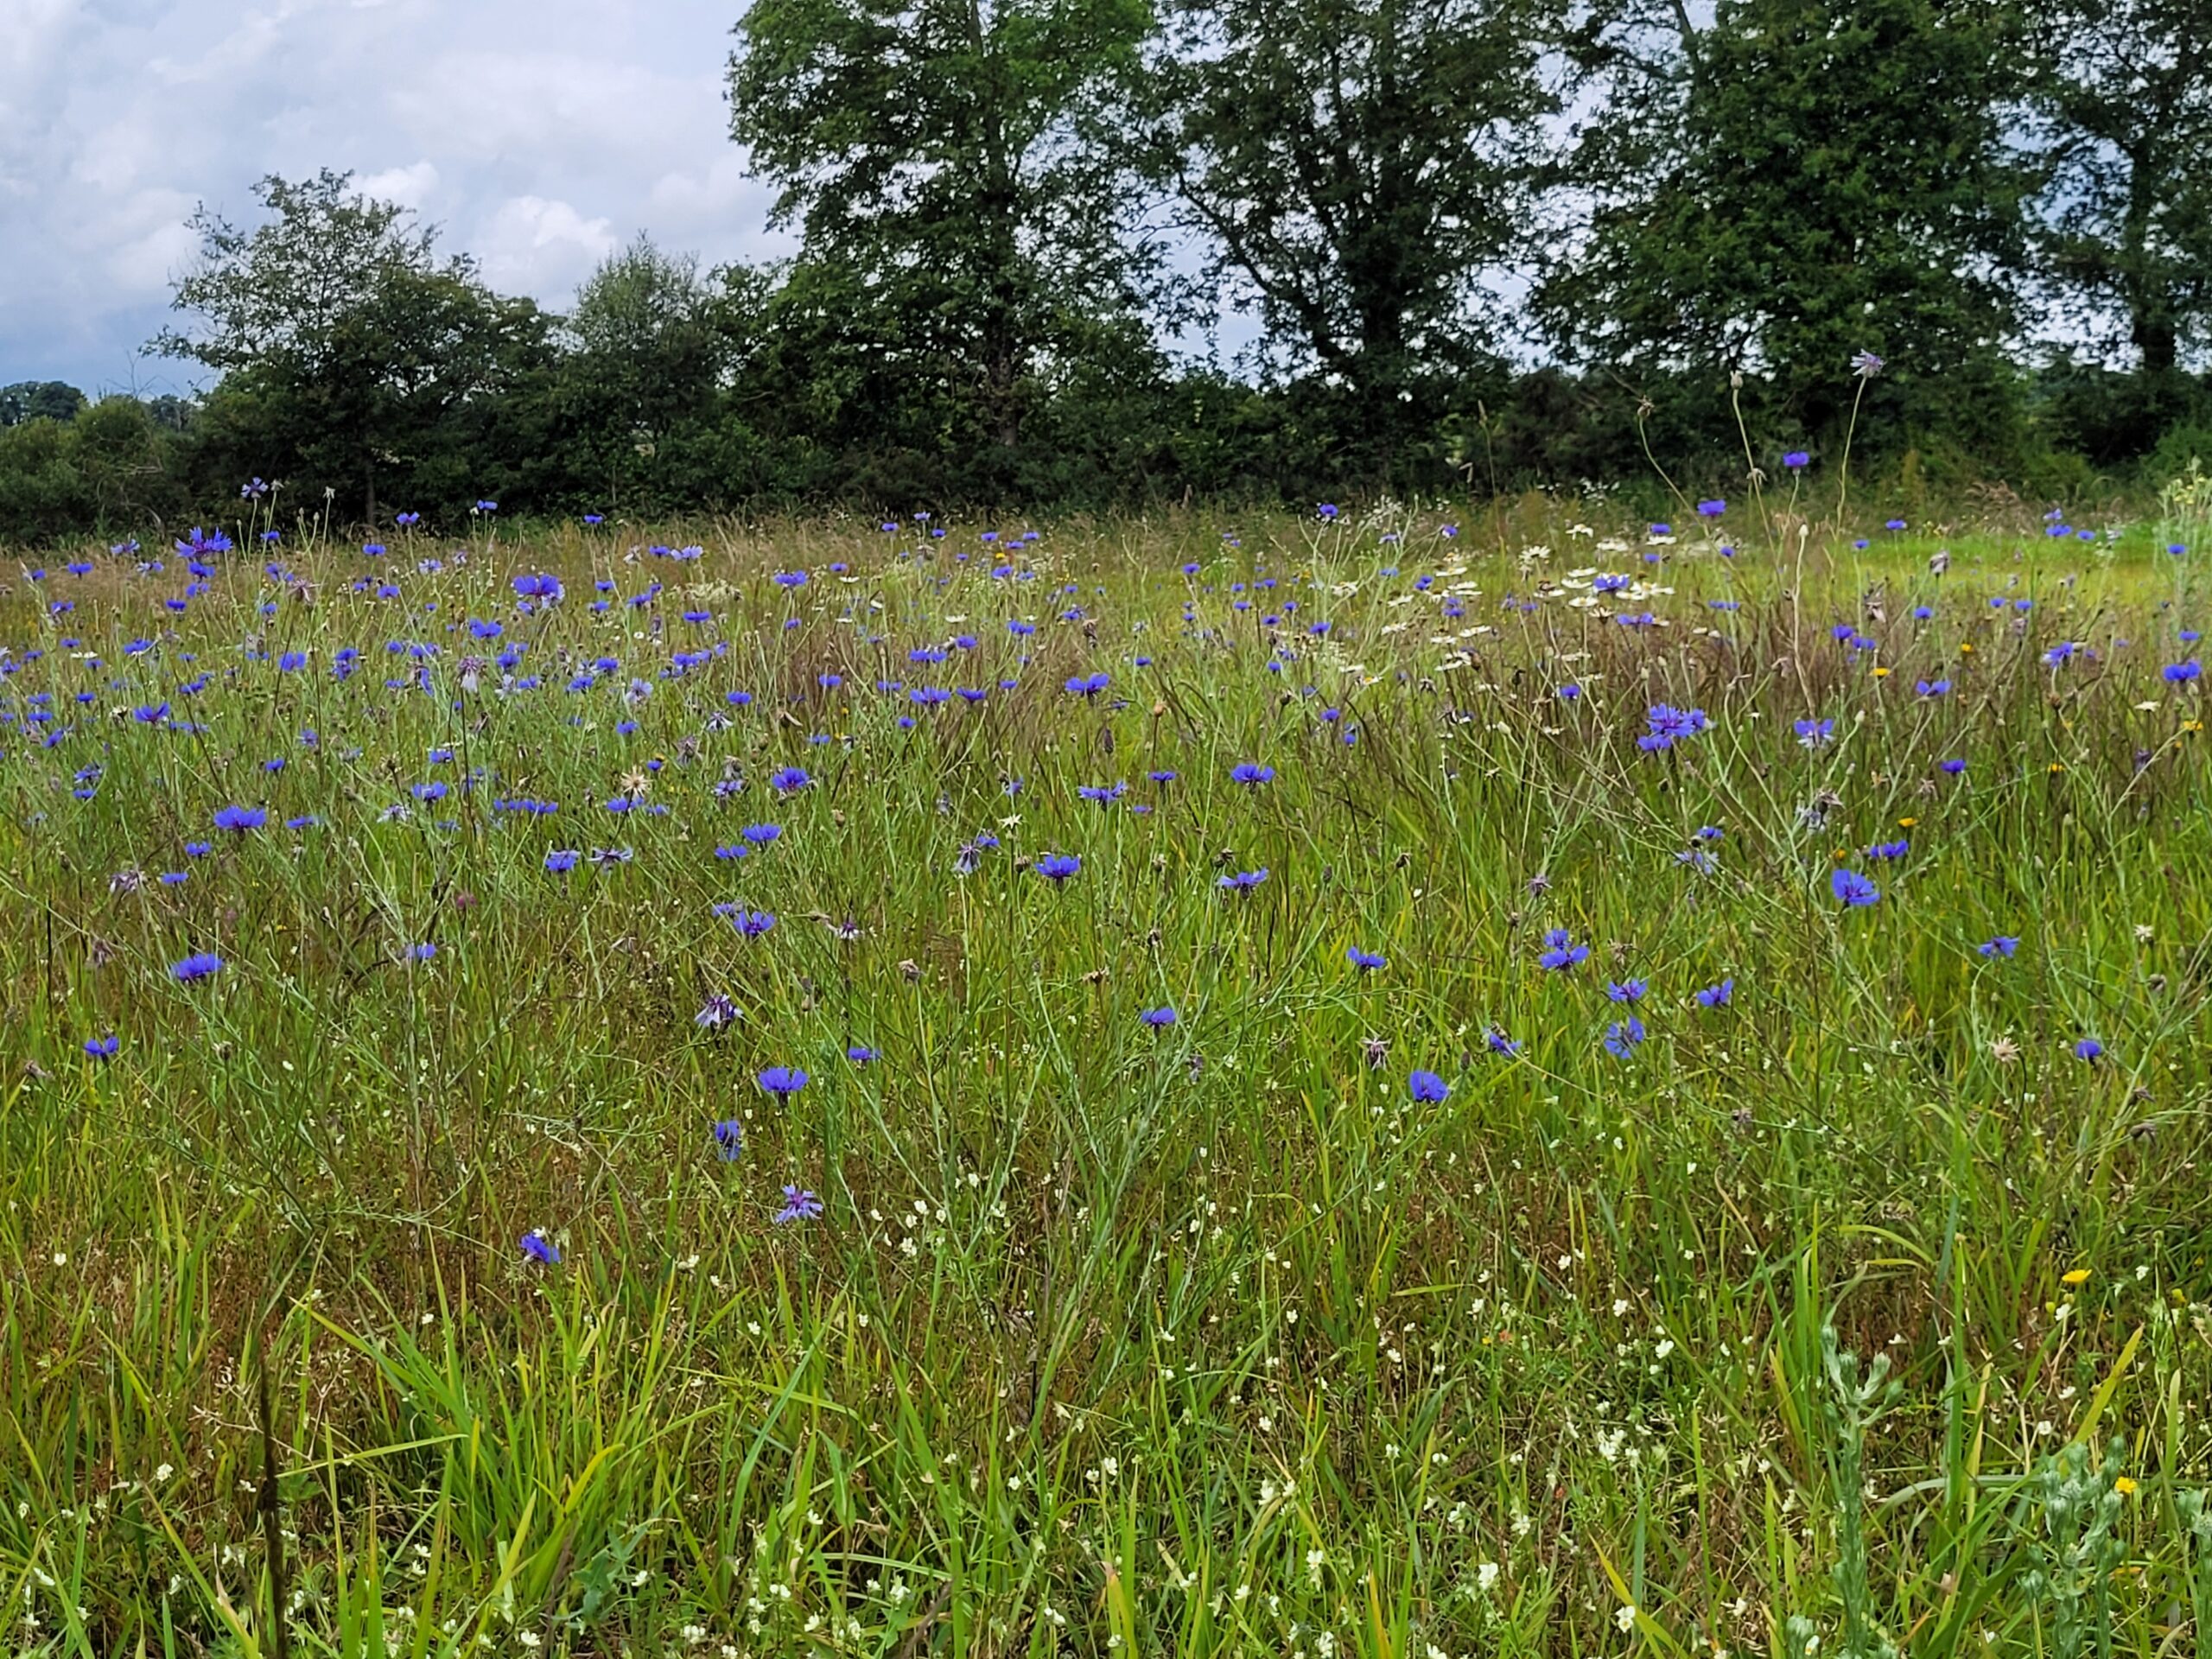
<point>1807,1324</point>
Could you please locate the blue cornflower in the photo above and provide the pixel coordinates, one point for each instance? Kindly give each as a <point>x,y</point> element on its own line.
<point>539,1248</point>
<point>201,964</point>
<point>102,1048</point>
<point>761,834</point>
<point>560,863</point>
<point>1623,1036</point>
<point>782,1081</point>
<point>1814,733</point>
<point>718,1010</point>
<point>422,952</point>
<point>2089,1049</point>
<point>1625,990</point>
<point>1797,459</point>
<point>799,1204</point>
<point>1058,866</point>
<point>1090,685</point>
<point>1248,772</point>
<point>1951,768</point>
<point>1244,881</point>
<point>1666,723</point>
<point>1427,1087</point>
<point>750,923</point>
<point>729,1140</point>
<point>1711,509</point>
<point>1366,960</point>
<point>538,587</point>
<point>1158,1018</point>
<point>1853,889</point>
<point>2003,945</point>
<point>1497,1042</point>
<point>862,1054</point>
<point>790,578</point>
<point>1717,996</point>
<point>2182,673</point>
<point>1560,951</point>
<point>785,780</point>
<point>1889,850</point>
<point>239,819</point>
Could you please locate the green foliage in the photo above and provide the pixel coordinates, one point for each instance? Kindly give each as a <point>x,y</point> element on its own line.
<point>349,351</point>
<point>40,400</point>
<point>1796,183</point>
<point>1359,166</point>
<point>2125,88</point>
<point>968,226</point>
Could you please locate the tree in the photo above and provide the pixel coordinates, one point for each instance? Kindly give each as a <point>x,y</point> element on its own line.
<point>1794,183</point>
<point>2127,86</point>
<point>40,400</point>
<point>958,168</point>
<point>649,338</point>
<point>1359,164</point>
<point>350,339</point>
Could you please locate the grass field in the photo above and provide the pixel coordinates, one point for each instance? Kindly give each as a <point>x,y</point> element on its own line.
<point>1370,1086</point>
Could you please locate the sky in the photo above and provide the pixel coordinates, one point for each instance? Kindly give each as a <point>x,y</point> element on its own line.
<point>538,135</point>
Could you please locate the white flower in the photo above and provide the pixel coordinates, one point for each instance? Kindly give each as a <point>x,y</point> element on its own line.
<point>1486,1577</point>
<point>1626,1618</point>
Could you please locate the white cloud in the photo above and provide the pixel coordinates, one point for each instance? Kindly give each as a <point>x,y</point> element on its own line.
<point>118,116</point>
<point>535,246</point>
<point>410,186</point>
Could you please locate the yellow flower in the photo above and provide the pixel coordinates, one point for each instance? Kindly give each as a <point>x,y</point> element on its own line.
<point>2079,1276</point>
<point>2056,767</point>
<point>1964,646</point>
<point>2124,1486</point>
<point>2192,725</point>
<point>1881,673</point>
<point>1907,823</point>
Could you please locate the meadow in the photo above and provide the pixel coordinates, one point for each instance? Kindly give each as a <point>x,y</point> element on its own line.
<point>1397,1082</point>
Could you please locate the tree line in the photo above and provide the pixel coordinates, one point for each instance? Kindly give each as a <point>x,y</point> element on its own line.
<point>1474,243</point>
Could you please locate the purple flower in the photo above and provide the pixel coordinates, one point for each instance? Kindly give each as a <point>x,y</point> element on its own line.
<point>1158,1018</point>
<point>861,1054</point>
<point>202,964</point>
<point>1244,881</point>
<point>1797,461</point>
<point>102,1048</point>
<point>717,1012</point>
<point>1058,866</point>
<point>2003,945</point>
<point>1717,996</point>
<point>2089,1049</point>
<point>782,1081</point>
<point>729,1140</point>
<point>239,819</point>
<point>1624,1036</point>
<point>1366,960</point>
<point>539,1248</point>
<point>1497,1042</point>
<point>1248,773</point>
<point>799,1204</point>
